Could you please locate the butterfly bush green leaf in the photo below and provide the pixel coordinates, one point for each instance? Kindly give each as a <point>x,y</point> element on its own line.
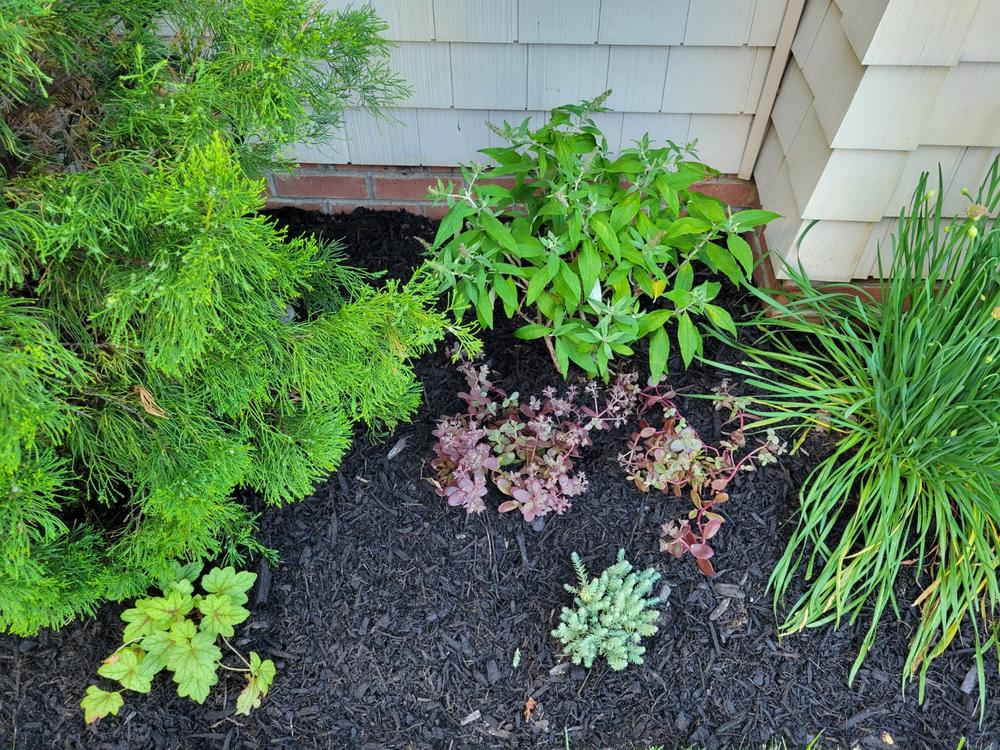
<point>604,241</point>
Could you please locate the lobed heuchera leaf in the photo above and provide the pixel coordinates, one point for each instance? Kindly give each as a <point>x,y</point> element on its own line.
<point>187,572</point>
<point>139,623</point>
<point>97,703</point>
<point>259,681</point>
<point>129,668</point>
<point>229,582</point>
<point>167,610</point>
<point>219,614</point>
<point>193,657</point>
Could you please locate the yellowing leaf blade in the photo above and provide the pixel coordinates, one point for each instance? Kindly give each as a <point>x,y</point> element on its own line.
<point>97,703</point>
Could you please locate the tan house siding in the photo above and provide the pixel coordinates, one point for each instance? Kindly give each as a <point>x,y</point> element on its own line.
<point>875,92</point>
<point>680,69</point>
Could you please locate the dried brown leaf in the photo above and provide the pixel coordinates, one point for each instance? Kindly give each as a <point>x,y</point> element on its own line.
<point>149,404</point>
<point>529,708</point>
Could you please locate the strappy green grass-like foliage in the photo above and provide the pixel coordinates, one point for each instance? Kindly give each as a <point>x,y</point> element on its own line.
<point>161,344</point>
<point>908,384</point>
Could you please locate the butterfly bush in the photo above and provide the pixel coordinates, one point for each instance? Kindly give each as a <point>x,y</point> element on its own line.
<point>527,449</point>
<point>668,455</point>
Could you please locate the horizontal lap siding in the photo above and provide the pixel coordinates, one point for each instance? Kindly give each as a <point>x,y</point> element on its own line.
<point>643,22</point>
<point>678,69</point>
<point>489,76</point>
<point>632,92</point>
<point>562,73</point>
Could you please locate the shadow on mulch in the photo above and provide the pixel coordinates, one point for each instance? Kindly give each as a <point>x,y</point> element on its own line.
<point>394,620</point>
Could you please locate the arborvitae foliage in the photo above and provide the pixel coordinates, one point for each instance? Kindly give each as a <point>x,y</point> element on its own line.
<point>160,344</point>
<point>612,614</point>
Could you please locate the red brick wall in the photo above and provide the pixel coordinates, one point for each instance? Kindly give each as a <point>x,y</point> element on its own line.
<point>336,188</point>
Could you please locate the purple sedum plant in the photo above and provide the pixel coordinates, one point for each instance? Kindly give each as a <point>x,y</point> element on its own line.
<point>668,455</point>
<point>462,459</point>
<point>527,449</point>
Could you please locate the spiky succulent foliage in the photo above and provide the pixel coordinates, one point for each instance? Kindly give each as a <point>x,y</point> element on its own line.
<point>908,383</point>
<point>161,344</point>
<point>611,615</point>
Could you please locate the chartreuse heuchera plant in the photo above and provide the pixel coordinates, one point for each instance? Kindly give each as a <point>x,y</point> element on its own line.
<point>162,344</point>
<point>611,614</point>
<point>593,253</point>
<point>908,385</point>
<point>179,632</point>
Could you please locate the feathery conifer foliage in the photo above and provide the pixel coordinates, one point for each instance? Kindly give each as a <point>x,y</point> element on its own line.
<point>613,613</point>
<point>161,344</point>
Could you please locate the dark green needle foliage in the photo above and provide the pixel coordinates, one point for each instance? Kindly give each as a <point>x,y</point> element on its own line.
<point>905,512</point>
<point>611,615</point>
<point>161,345</point>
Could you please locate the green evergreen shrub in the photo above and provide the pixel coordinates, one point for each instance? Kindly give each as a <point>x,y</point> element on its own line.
<point>612,614</point>
<point>161,345</point>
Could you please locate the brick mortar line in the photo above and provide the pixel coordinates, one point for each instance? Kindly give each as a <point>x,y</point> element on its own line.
<point>369,177</point>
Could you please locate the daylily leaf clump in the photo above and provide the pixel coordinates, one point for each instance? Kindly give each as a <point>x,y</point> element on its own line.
<point>907,385</point>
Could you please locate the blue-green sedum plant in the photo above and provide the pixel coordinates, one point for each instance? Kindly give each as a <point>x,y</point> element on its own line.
<point>611,615</point>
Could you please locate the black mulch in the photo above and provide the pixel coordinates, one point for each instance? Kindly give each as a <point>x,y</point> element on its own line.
<point>394,620</point>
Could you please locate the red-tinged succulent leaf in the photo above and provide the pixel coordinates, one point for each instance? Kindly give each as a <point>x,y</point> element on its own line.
<point>705,567</point>
<point>508,506</point>
<point>711,528</point>
<point>701,551</point>
<point>672,547</point>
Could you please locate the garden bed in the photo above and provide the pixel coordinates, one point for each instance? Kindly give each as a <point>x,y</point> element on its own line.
<point>394,620</point>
